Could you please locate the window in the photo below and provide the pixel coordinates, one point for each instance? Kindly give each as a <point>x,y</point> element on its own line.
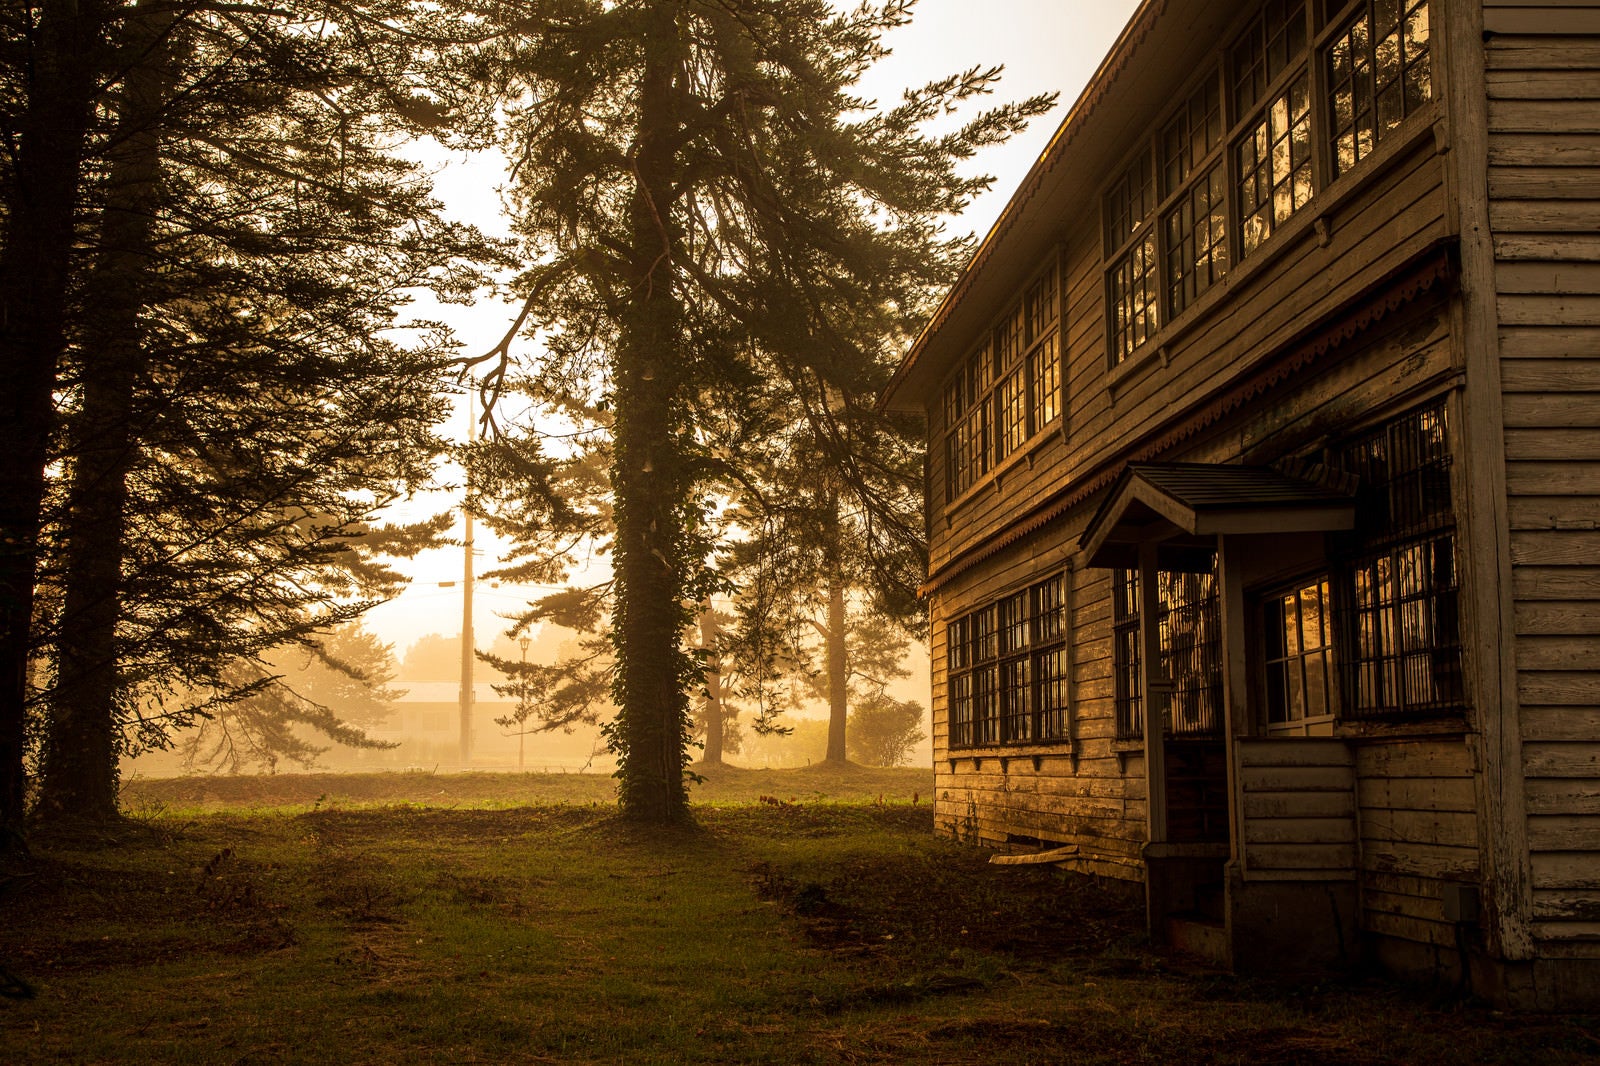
<point>1131,250</point>
<point>1378,73</point>
<point>1007,390</point>
<point>1301,696</point>
<point>1400,619</point>
<point>966,410</point>
<point>1274,164</point>
<point>1196,225</point>
<point>1008,669</point>
<point>1235,159</point>
<point>1190,634</point>
<point>1127,688</point>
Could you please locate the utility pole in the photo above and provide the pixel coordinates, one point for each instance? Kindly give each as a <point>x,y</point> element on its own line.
<point>467,654</point>
<point>522,699</point>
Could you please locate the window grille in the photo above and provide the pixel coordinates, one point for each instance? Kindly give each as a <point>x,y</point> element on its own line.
<point>1400,614</point>
<point>1190,637</point>
<point>1191,653</point>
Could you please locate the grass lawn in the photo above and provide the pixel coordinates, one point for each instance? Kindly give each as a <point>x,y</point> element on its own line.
<point>771,932</point>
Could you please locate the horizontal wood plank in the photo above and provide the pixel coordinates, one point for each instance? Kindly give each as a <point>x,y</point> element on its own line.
<point>1548,444</point>
<point>1564,832</point>
<point>1567,760</point>
<point>1567,277</point>
<point>1545,247</point>
<point>1542,150</point>
<point>1450,828</point>
<point>1576,547</point>
<point>1299,805</point>
<point>1557,688</point>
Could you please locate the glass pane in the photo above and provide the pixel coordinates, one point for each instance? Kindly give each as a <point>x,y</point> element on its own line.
<point>1317,703</point>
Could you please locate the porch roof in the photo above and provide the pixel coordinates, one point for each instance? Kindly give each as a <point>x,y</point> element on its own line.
<point>1183,506</point>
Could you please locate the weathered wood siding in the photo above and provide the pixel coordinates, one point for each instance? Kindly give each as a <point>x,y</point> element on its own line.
<point>1543,79</point>
<point>1416,812</point>
<point>1296,808</point>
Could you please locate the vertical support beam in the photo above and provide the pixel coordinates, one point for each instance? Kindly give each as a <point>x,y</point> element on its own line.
<point>1483,525</point>
<point>1153,683</point>
<point>1235,679</point>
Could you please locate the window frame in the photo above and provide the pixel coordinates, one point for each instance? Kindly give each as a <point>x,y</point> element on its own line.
<point>1319,23</point>
<point>1402,514</point>
<point>1194,656</point>
<point>1007,669</point>
<point>1010,386</point>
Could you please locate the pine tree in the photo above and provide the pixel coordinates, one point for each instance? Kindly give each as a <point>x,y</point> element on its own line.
<point>54,58</point>
<point>712,219</point>
<point>235,410</point>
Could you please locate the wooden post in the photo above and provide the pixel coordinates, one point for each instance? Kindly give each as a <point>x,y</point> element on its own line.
<point>1235,679</point>
<point>1155,686</point>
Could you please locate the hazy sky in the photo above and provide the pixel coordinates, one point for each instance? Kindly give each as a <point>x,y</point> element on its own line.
<point>1044,45</point>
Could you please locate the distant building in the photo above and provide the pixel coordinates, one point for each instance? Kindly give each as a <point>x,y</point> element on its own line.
<point>1263,490</point>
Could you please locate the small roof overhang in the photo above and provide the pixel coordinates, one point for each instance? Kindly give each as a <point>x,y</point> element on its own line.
<point>1183,506</point>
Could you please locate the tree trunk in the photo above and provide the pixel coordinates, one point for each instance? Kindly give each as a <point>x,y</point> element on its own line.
<point>714,711</point>
<point>79,768</point>
<point>40,203</point>
<point>838,667</point>
<point>649,464</point>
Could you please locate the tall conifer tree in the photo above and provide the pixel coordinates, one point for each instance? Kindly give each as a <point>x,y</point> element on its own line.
<point>712,218</point>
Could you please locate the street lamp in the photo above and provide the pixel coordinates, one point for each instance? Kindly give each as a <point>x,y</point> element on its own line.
<point>522,699</point>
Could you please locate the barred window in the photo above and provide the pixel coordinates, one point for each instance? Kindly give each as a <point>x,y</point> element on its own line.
<point>1378,70</point>
<point>1400,613</point>
<point>1008,669</point>
<point>1189,630</point>
<point>1191,656</point>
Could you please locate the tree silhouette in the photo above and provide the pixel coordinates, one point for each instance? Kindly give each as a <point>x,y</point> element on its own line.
<point>716,228</point>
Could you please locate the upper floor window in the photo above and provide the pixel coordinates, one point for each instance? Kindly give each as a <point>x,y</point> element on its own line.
<point>1008,389</point>
<point>1238,156</point>
<point>1378,72</point>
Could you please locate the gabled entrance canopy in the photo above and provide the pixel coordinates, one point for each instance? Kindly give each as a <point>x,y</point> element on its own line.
<point>1183,506</point>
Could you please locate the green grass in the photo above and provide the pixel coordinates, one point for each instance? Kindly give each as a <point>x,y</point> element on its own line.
<point>720,785</point>
<point>773,933</point>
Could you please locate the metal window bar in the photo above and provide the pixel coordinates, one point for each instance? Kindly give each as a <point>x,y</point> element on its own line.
<point>1398,608</point>
<point>1191,644</point>
<point>1191,658</point>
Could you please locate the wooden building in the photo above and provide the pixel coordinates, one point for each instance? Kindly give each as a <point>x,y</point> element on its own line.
<point>1263,490</point>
